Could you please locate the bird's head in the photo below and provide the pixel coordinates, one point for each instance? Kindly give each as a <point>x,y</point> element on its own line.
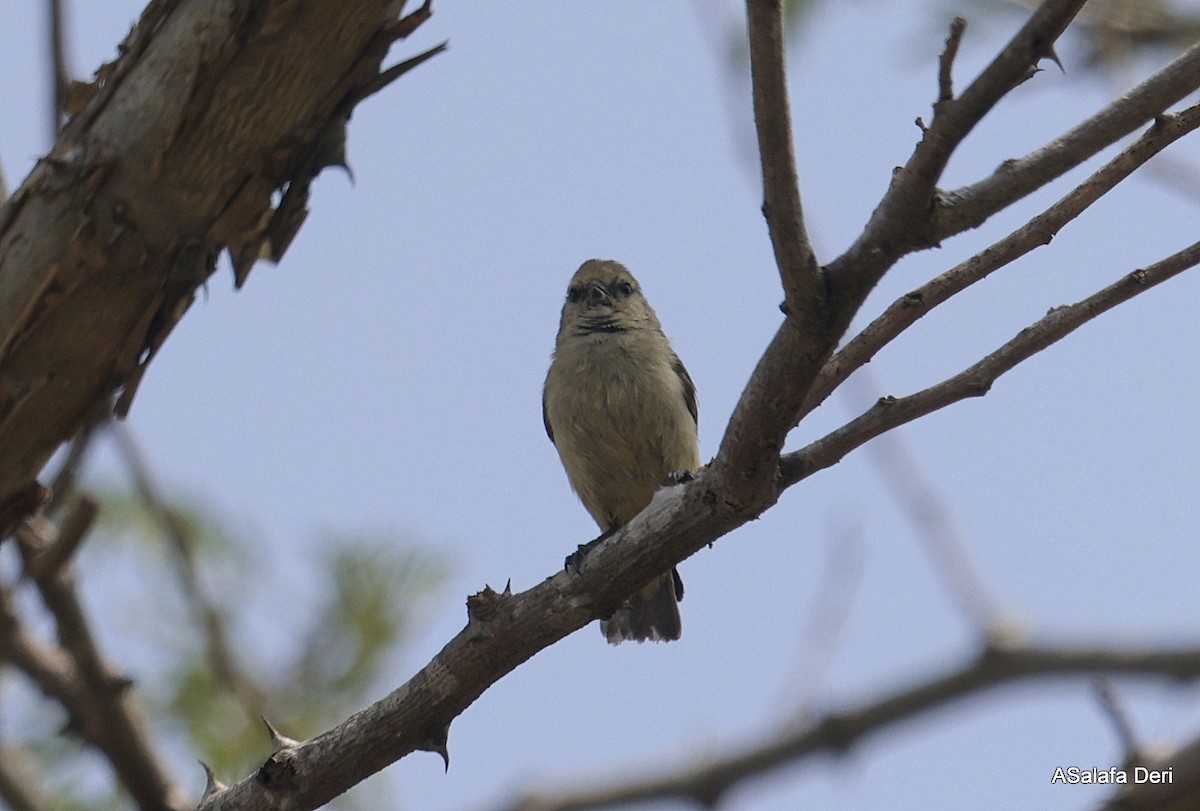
<point>603,297</point>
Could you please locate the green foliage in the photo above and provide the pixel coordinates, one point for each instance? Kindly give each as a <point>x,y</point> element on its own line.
<point>217,638</point>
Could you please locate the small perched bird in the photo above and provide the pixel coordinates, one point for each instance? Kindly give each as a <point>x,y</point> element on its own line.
<point>621,410</point>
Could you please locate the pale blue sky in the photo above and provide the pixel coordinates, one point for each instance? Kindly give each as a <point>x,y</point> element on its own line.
<point>387,377</point>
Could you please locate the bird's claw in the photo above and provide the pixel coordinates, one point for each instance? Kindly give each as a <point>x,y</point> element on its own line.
<point>680,476</point>
<point>575,560</point>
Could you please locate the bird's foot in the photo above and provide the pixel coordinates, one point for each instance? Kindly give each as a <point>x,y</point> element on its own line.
<point>680,476</point>
<point>575,560</point>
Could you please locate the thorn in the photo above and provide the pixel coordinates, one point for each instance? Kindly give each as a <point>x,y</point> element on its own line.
<point>212,786</point>
<point>279,742</point>
<point>393,73</point>
<point>574,561</point>
<point>1116,714</point>
<point>482,607</point>
<point>437,740</point>
<point>1049,53</point>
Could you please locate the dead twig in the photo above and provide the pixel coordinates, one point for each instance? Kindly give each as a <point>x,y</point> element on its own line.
<point>706,780</point>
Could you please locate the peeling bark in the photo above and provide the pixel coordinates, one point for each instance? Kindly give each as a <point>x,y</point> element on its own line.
<point>201,137</point>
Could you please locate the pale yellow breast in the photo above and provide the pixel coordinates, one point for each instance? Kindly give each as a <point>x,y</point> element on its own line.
<point>621,422</point>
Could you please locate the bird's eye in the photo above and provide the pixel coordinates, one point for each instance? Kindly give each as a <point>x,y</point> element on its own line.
<point>574,294</point>
<point>625,288</point>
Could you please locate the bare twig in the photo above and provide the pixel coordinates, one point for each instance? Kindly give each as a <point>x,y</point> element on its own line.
<point>831,605</point>
<point>102,707</point>
<point>707,781</point>
<point>975,381</point>
<point>896,226</point>
<point>769,405</point>
<point>946,62</point>
<point>934,523</point>
<point>205,612</point>
<point>16,790</point>
<point>781,186</point>
<point>970,206</point>
<point>1120,720</point>
<point>1038,231</point>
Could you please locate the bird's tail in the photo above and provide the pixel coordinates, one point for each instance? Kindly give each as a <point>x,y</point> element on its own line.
<point>652,613</point>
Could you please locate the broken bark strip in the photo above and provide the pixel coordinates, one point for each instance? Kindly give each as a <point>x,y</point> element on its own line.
<point>212,107</point>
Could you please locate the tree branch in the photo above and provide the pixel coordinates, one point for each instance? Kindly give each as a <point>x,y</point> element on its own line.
<point>504,630</point>
<point>104,245</point>
<point>175,155</point>
<point>773,401</point>
<point>781,186</point>
<point>767,410</point>
<point>897,225</point>
<point>15,790</point>
<point>907,310</point>
<point>976,380</point>
<point>1183,792</point>
<point>707,782</point>
<point>102,708</point>
<point>970,206</point>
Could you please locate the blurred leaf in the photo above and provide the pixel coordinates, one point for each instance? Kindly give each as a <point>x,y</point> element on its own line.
<point>354,614</point>
<point>376,585</point>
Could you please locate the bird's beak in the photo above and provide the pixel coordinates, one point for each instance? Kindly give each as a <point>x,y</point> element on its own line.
<point>598,294</point>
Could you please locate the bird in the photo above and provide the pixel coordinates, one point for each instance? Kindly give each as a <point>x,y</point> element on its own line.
<point>621,410</point>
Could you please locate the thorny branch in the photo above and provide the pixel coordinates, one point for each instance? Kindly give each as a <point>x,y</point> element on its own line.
<point>968,207</point>
<point>766,411</point>
<point>781,186</point>
<point>900,223</point>
<point>1038,231</point>
<point>707,781</point>
<point>99,701</point>
<point>746,477</point>
<point>977,379</point>
<point>879,247</point>
<point>506,629</point>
